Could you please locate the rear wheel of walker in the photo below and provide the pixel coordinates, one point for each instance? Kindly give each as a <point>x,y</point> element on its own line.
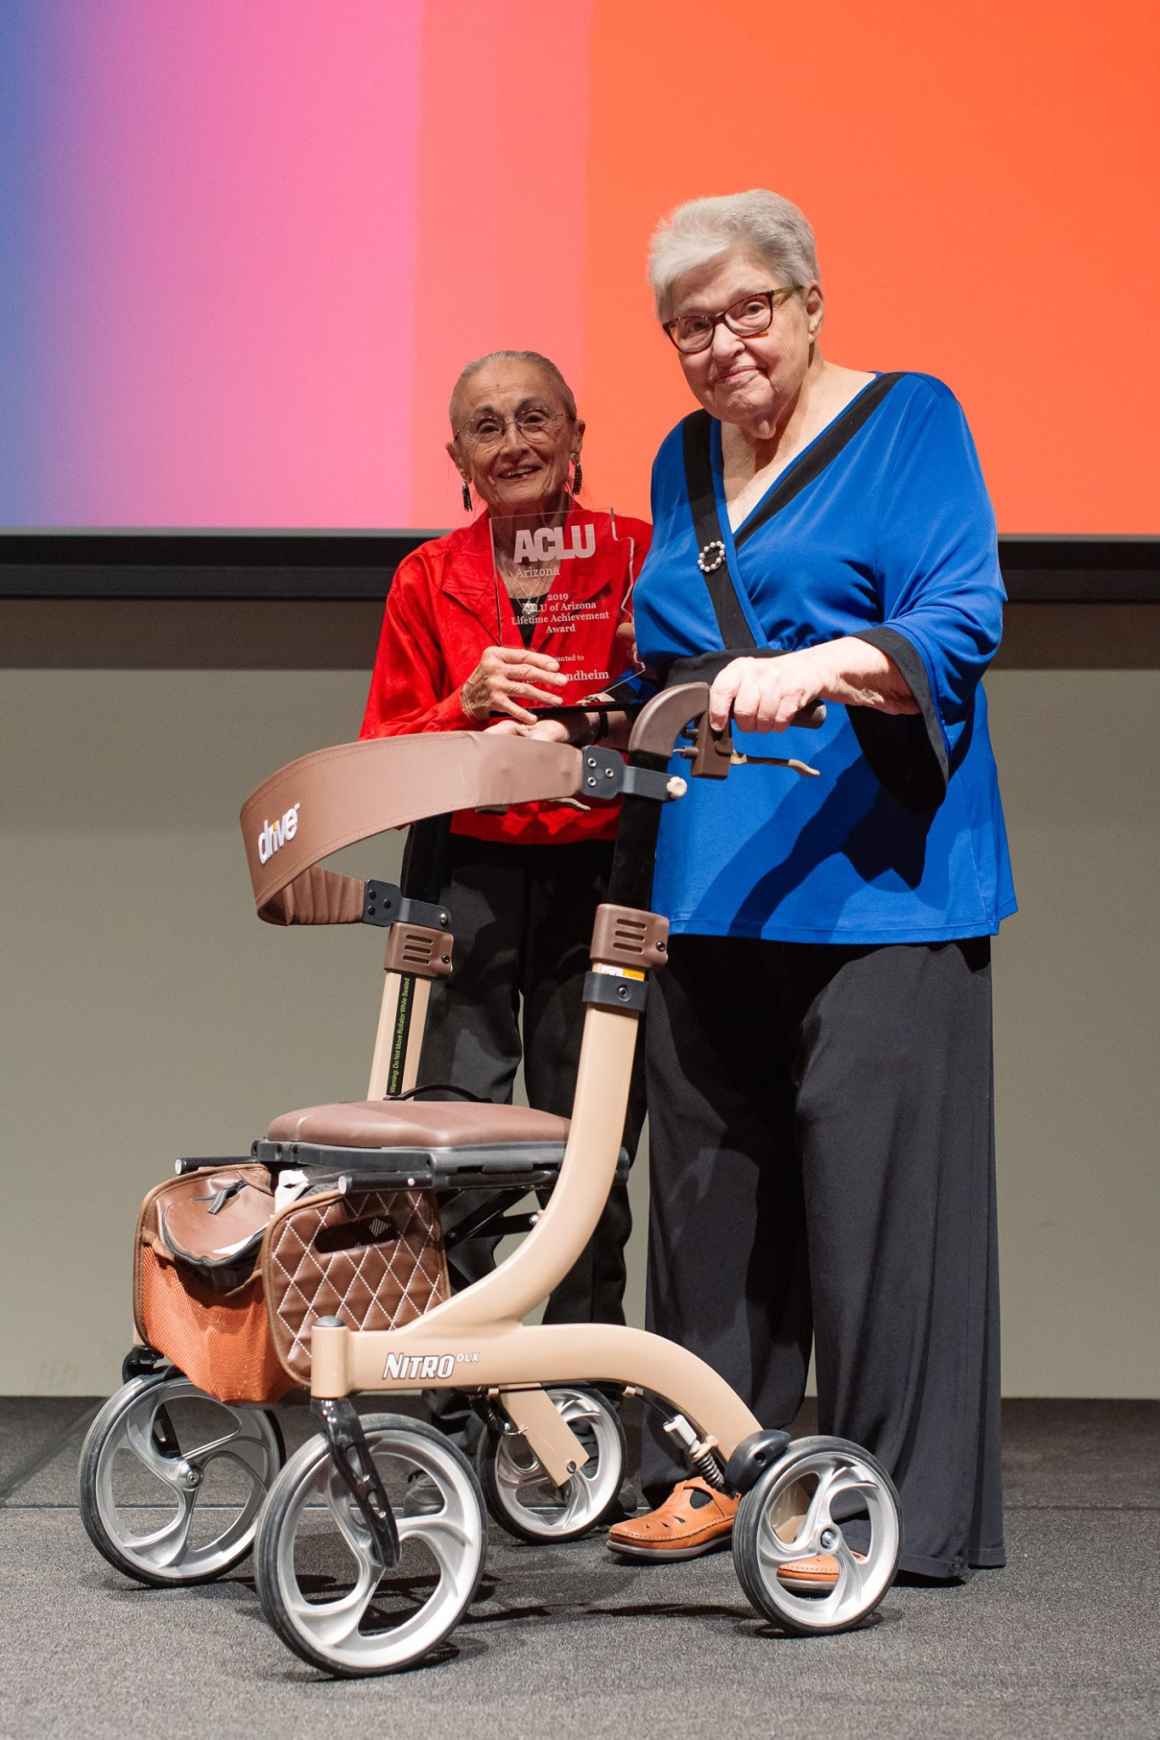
<point>519,1491</point>
<point>321,1580</point>
<point>172,1481</point>
<point>821,1492</point>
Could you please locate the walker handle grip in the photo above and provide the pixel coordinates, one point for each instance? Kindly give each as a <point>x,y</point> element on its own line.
<point>811,717</point>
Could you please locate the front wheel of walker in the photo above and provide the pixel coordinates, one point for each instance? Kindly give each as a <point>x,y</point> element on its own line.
<point>172,1480</point>
<point>521,1495</point>
<point>321,1581</point>
<point>824,1497</point>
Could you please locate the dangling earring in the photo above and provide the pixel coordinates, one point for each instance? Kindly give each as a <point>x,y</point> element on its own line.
<point>577,478</point>
<point>466,496</point>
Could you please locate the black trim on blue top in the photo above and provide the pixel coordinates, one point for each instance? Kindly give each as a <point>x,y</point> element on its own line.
<point>820,453</point>
<point>712,540</point>
<point>907,751</point>
<point>696,438</point>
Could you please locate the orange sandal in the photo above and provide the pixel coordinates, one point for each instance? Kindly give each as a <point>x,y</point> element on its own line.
<point>694,1519</point>
<point>817,1574</point>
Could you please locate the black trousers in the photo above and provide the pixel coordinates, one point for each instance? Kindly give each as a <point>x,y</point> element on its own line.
<point>822,1169</point>
<point>522,919</point>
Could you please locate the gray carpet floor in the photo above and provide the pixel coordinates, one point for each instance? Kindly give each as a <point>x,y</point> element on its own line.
<point>565,1641</point>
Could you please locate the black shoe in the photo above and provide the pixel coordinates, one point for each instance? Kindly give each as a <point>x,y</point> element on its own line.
<point>628,1502</point>
<point>423,1497</point>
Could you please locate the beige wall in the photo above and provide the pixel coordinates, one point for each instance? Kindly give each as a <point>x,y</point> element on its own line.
<point>146,1013</point>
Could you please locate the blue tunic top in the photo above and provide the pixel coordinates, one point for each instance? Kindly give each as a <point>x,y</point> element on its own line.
<point>893,541</point>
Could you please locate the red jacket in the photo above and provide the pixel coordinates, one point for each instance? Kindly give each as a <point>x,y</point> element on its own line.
<point>441,615</point>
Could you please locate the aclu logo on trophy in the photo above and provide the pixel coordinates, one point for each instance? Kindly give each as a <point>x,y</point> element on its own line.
<point>563,586</point>
<point>546,544</point>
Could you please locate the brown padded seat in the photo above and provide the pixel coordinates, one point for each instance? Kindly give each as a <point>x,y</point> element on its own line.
<point>417,1124</point>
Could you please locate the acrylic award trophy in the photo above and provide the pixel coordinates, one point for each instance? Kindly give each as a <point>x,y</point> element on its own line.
<point>563,586</point>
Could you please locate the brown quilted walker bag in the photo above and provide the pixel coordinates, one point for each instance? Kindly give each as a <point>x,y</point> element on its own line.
<point>375,1261</point>
<point>229,1291</point>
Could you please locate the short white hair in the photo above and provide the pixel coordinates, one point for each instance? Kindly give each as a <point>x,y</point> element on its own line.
<point>532,357</point>
<point>701,230</point>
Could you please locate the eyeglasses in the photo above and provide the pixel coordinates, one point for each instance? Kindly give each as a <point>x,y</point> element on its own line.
<point>747,318</point>
<point>531,422</point>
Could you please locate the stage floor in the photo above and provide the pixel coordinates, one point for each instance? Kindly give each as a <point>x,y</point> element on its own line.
<point>565,1641</point>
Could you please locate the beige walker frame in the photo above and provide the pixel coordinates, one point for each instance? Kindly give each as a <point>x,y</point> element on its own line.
<point>476,1341</point>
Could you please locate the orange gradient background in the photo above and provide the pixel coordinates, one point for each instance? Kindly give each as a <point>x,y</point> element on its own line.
<point>982,181</point>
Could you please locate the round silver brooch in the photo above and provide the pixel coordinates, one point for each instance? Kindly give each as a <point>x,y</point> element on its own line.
<point>711,557</point>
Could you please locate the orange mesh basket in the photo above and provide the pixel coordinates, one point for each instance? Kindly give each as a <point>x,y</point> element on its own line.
<point>221,1342</point>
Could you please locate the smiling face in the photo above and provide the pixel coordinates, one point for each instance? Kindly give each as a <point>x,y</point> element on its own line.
<point>747,380</point>
<point>514,440</point>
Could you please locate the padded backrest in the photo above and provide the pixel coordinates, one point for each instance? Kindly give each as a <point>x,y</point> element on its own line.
<point>316,805</point>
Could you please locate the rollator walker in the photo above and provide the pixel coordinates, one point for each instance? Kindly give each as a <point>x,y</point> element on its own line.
<point>370,1541</point>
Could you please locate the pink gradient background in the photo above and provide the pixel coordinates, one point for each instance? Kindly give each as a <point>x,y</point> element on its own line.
<point>232,266</point>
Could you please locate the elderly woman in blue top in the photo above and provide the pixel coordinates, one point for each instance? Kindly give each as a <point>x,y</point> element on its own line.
<point>819,1047</point>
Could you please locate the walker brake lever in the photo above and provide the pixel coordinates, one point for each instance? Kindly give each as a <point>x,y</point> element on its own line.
<point>736,759</point>
<point>713,754</point>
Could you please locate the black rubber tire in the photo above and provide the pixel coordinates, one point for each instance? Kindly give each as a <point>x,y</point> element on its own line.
<point>746,1528</point>
<point>485,1466</point>
<point>90,1458</point>
<point>283,1493</point>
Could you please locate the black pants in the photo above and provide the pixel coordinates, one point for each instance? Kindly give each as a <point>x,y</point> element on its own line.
<point>522,919</point>
<point>822,1161</point>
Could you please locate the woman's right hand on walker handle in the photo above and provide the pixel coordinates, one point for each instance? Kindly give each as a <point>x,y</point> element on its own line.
<point>502,674</point>
<point>764,694</point>
<point>769,694</point>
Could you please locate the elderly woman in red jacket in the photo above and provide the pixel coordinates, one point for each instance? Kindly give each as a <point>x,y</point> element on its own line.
<point>469,634</point>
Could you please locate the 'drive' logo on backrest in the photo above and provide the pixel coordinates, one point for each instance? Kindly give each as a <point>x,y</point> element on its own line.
<point>275,834</point>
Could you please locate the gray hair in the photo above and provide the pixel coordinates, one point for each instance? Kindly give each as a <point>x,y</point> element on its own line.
<point>520,356</point>
<point>703,229</point>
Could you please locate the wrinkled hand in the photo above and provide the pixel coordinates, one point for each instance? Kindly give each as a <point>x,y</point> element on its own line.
<point>545,730</point>
<point>767,694</point>
<point>505,673</point>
